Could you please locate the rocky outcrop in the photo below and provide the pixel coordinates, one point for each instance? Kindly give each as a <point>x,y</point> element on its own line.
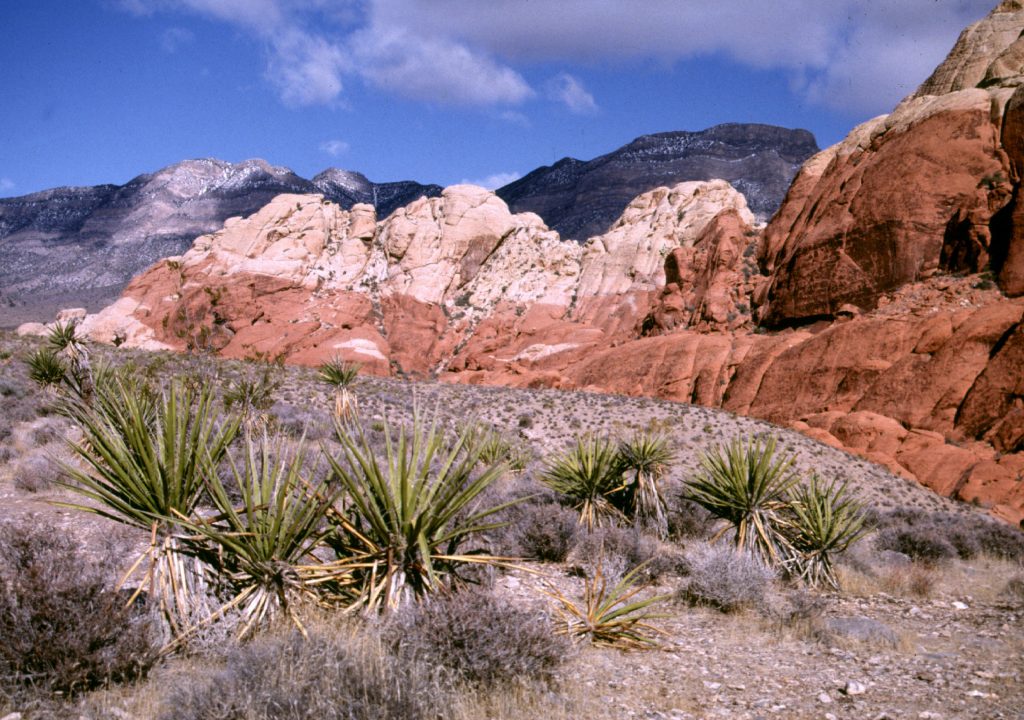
<point>418,291</point>
<point>72,246</point>
<point>931,187</point>
<point>580,199</point>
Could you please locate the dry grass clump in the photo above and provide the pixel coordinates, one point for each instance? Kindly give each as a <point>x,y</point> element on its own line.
<point>478,639</point>
<point>725,578</point>
<point>688,520</point>
<point>544,531</point>
<point>617,549</point>
<point>329,675</point>
<point>63,630</point>
<point>35,473</point>
<point>1013,592</point>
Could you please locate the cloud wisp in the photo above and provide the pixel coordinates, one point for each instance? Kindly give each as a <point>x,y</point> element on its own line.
<point>569,91</point>
<point>495,181</point>
<point>334,148</point>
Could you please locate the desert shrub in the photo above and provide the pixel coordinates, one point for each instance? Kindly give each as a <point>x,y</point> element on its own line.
<point>543,531</point>
<point>964,540</point>
<point>968,534</point>
<point>63,629</point>
<point>1000,540</point>
<point>688,520</point>
<point>918,542</point>
<point>45,432</point>
<point>1014,590</point>
<point>725,578</point>
<point>35,473</point>
<point>299,422</point>
<point>478,639</point>
<point>331,675</point>
<point>618,549</point>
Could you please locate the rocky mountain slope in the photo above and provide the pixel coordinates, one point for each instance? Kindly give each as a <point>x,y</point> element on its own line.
<point>82,245</point>
<point>880,311</point>
<point>580,199</point>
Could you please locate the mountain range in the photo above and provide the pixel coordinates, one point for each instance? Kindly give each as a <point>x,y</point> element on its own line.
<point>79,246</point>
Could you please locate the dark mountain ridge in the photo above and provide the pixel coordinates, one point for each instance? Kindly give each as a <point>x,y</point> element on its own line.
<point>581,198</point>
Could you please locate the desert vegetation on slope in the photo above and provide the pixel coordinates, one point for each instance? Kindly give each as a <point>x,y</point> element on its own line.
<point>285,544</point>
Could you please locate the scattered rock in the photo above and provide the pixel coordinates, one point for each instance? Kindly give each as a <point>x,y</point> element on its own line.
<point>853,687</point>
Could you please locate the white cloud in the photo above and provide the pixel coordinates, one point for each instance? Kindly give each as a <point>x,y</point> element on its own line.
<point>174,38</point>
<point>856,55</point>
<point>568,90</point>
<point>495,181</point>
<point>6,184</point>
<point>434,69</point>
<point>859,55</point>
<point>514,117</point>
<point>306,70</point>
<point>334,148</point>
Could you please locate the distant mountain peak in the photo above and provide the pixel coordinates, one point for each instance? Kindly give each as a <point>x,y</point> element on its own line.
<point>581,198</point>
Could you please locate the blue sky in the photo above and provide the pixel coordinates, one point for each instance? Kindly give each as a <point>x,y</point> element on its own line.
<point>443,91</point>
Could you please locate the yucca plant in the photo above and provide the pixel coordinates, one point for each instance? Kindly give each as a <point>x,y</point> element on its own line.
<point>341,375</point>
<point>610,616</point>
<point>747,485</point>
<point>409,512</point>
<point>46,368</point>
<point>144,467</point>
<point>262,550</point>
<point>826,520</point>
<point>66,341</point>
<point>590,475</point>
<point>647,456</point>
<point>494,447</point>
<point>251,396</point>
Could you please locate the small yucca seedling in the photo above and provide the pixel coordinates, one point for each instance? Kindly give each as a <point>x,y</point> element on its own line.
<point>747,485</point>
<point>252,396</point>
<point>46,368</point>
<point>826,520</point>
<point>610,616</point>
<point>590,475</point>
<point>341,375</point>
<point>494,447</point>
<point>647,456</point>
<point>66,341</point>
